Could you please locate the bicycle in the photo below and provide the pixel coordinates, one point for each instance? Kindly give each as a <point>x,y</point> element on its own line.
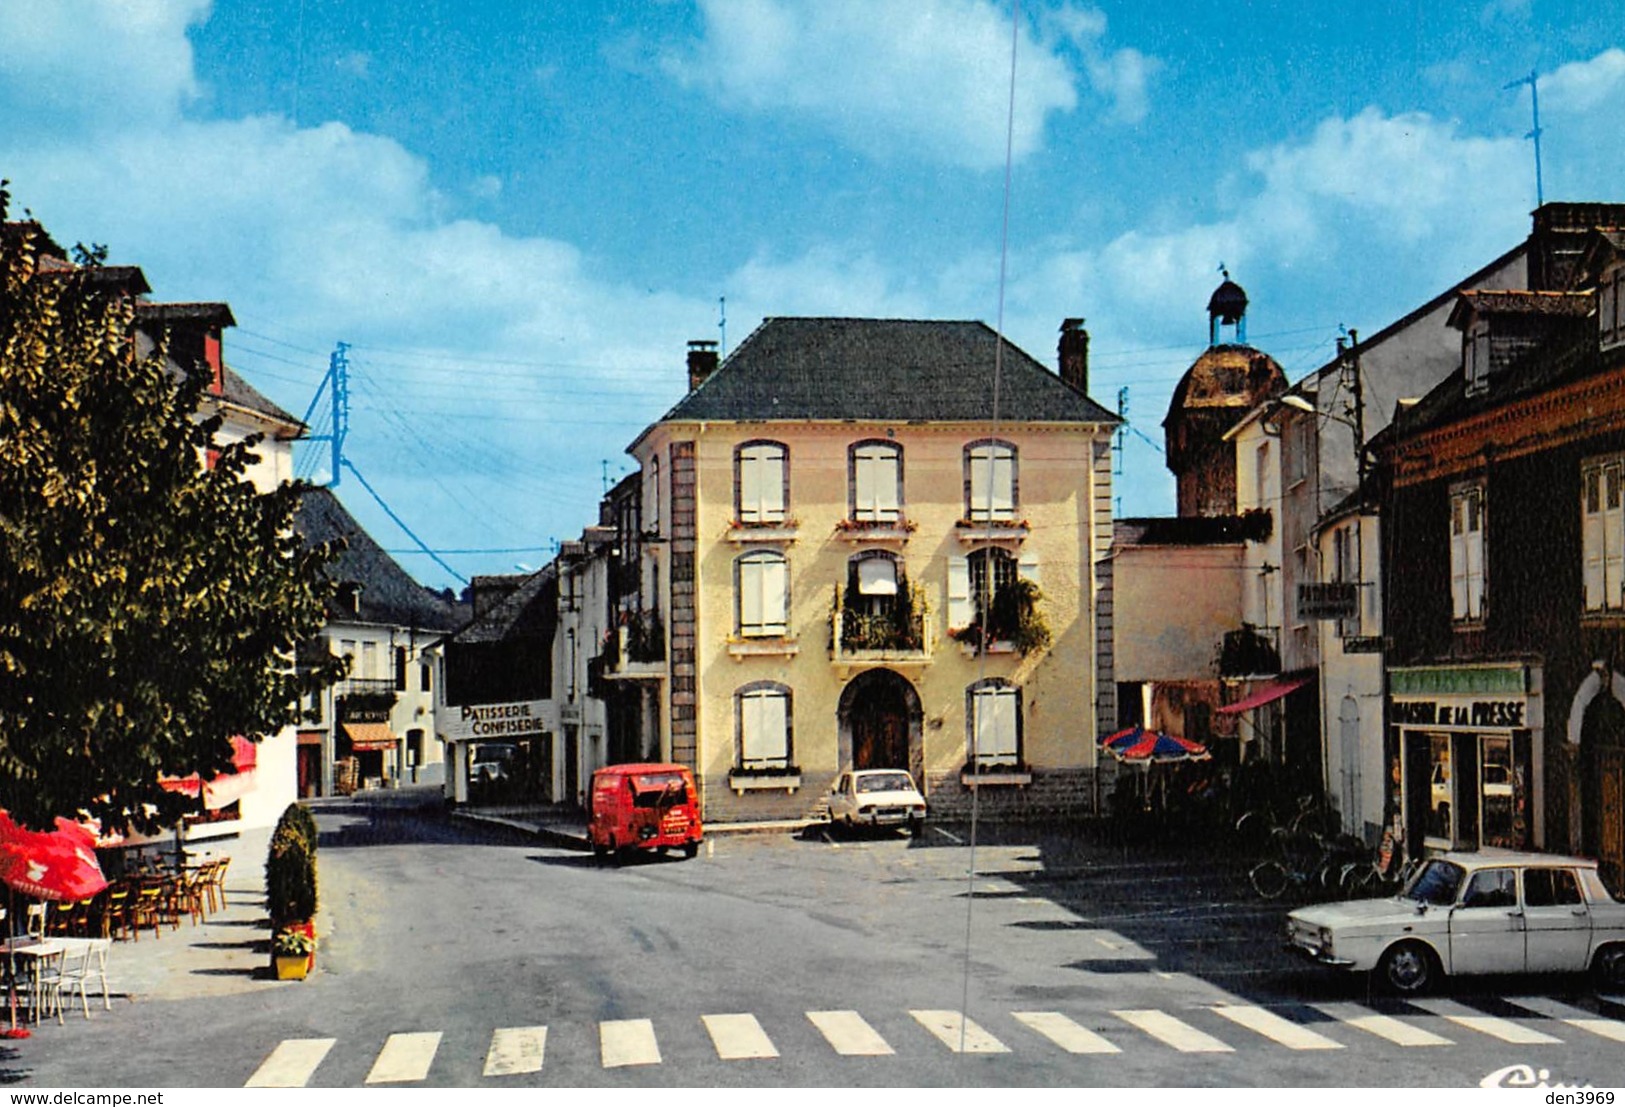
<point>1302,861</point>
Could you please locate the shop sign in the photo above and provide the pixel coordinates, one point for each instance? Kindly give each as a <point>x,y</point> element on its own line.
<point>1506,714</point>
<point>1367,644</point>
<point>496,720</point>
<point>1331,600</point>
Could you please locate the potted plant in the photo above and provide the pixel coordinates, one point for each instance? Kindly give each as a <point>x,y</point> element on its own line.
<point>290,882</point>
<point>292,951</point>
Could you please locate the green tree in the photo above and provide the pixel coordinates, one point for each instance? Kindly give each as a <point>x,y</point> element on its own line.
<point>150,604</point>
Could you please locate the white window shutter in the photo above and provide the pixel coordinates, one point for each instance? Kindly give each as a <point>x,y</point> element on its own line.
<point>1027,567</point>
<point>763,728</point>
<point>1593,540</point>
<point>750,596</point>
<point>1004,484</point>
<point>961,612</point>
<point>1613,536</point>
<point>775,597</point>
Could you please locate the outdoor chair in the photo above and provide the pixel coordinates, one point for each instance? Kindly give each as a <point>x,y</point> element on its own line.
<point>148,906</point>
<point>80,971</point>
<point>116,911</point>
<point>38,919</point>
<point>44,985</point>
<point>206,879</point>
<point>189,894</point>
<point>217,879</point>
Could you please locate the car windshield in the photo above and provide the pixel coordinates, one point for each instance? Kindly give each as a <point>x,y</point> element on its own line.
<point>1436,883</point>
<point>886,782</point>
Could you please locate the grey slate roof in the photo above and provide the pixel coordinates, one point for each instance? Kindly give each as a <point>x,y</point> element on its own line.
<point>525,612</point>
<point>234,389</point>
<point>387,595</point>
<point>902,370</point>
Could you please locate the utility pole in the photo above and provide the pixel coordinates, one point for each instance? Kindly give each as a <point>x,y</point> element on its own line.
<point>337,378</point>
<point>1122,429</point>
<point>1533,81</point>
<point>722,326</point>
<point>1356,405</point>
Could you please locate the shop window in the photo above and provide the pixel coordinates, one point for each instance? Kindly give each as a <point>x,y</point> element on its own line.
<point>875,482</point>
<point>761,482</point>
<point>1467,569</point>
<point>1602,533</point>
<point>1440,825</point>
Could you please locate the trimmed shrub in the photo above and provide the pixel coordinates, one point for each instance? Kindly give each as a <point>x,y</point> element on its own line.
<point>290,877</point>
<point>298,816</point>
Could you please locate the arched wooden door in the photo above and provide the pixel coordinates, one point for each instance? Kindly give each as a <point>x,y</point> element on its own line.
<point>879,706</point>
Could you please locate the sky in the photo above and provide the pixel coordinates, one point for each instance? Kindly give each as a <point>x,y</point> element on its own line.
<point>517,215</point>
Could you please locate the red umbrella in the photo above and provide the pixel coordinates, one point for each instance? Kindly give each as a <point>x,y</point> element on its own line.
<point>57,865</point>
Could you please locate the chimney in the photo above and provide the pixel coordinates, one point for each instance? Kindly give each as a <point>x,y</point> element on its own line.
<point>1075,354</point>
<point>702,362</point>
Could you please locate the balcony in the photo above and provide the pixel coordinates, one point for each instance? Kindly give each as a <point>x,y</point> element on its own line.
<point>897,639</point>
<point>636,650</point>
<point>1251,651</point>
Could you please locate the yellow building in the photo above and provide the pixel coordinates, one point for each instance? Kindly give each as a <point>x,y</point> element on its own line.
<point>880,543</point>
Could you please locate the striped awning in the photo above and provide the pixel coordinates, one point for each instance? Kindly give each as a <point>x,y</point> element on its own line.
<point>370,736</point>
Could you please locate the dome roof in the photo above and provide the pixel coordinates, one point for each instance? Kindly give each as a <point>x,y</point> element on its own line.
<point>1228,376</point>
<point>1228,302</point>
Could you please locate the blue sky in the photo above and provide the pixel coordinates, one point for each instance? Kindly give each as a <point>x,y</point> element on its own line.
<point>519,213</point>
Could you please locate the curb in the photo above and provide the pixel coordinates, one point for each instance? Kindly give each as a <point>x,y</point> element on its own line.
<point>577,839</point>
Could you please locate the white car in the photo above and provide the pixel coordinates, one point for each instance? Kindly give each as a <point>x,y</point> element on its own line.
<point>1493,911</point>
<point>877,797</point>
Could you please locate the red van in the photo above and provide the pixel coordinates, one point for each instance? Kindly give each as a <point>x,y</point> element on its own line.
<point>643,806</point>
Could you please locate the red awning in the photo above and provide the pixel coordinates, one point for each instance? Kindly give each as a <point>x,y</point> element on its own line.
<point>1265,693</point>
<point>225,788</point>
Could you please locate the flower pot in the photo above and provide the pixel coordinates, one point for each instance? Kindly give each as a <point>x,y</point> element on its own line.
<point>293,968</point>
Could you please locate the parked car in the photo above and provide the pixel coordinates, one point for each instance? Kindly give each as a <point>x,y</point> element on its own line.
<point>492,761</point>
<point>1493,911</point>
<point>877,797</point>
<point>645,805</point>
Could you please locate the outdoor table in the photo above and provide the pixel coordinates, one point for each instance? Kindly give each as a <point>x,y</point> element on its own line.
<point>32,952</point>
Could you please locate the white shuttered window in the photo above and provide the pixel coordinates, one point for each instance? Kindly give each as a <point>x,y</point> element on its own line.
<point>764,727</point>
<point>992,481</point>
<point>877,469</point>
<point>764,594</point>
<point>1467,575</point>
<point>1602,533</point>
<point>761,482</point>
<point>996,731</point>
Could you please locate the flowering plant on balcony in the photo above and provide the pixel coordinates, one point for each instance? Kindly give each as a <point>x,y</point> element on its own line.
<point>1014,616</point>
<point>849,526</point>
<point>993,524</point>
<point>898,627</point>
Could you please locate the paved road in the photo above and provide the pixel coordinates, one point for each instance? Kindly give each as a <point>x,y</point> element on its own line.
<point>456,958</point>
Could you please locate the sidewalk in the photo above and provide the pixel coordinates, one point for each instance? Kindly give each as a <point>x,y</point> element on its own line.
<point>566,825</point>
<point>225,954</point>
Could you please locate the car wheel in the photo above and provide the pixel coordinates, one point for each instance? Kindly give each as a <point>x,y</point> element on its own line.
<point>1608,967</point>
<point>615,857</point>
<point>599,854</point>
<point>691,850</point>
<point>1408,968</point>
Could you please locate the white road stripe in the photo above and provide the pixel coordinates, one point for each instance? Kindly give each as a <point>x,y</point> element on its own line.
<point>1504,1029</point>
<point>849,1034</point>
<point>1172,1032</point>
<point>958,1033</point>
<point>291,1064</point>
<point>738,1037</point>
<point>628,1042</point>
<point>516,1049</point>
<point>1383,1026</point>
<point>1274,1027</point>
<point>404,1057</point>
<point>1611,1029</point>
<point>1064,1032</point>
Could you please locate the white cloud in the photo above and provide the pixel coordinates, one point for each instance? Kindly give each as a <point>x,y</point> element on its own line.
<point>1584,86</point>
<point>891,77</point>
<point>136,66</point>
<point>1122,77</point>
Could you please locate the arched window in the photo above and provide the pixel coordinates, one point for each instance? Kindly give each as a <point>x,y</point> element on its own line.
<point>875,481</point>
<point>762,722</point>
<point>993,725</point>
<point>873,580</point>
<point>761,482</point>
<point>990,481</point>
<point>762,588</point>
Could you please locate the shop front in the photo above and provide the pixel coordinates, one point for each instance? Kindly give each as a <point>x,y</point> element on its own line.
<point>1464,746</point>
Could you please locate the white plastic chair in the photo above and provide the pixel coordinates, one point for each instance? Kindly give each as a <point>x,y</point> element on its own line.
<point>37,913</point>
<point>78,973</point>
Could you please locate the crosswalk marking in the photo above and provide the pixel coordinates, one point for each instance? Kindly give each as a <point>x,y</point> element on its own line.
<point>849,1034</point>
<point>628,1042</point>
<point>958,1033</point>
<point>1574,1016</point>
<point>291,1064</point>
<point>1504,1029</point>
<point>404,1057</point>
<point>1383,1026</point>
<point>1064,1032</point>
<point>1172,1032</point>
<point>1274,1027</point>
<point>738,1037</point>
<point>516,1049</point>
